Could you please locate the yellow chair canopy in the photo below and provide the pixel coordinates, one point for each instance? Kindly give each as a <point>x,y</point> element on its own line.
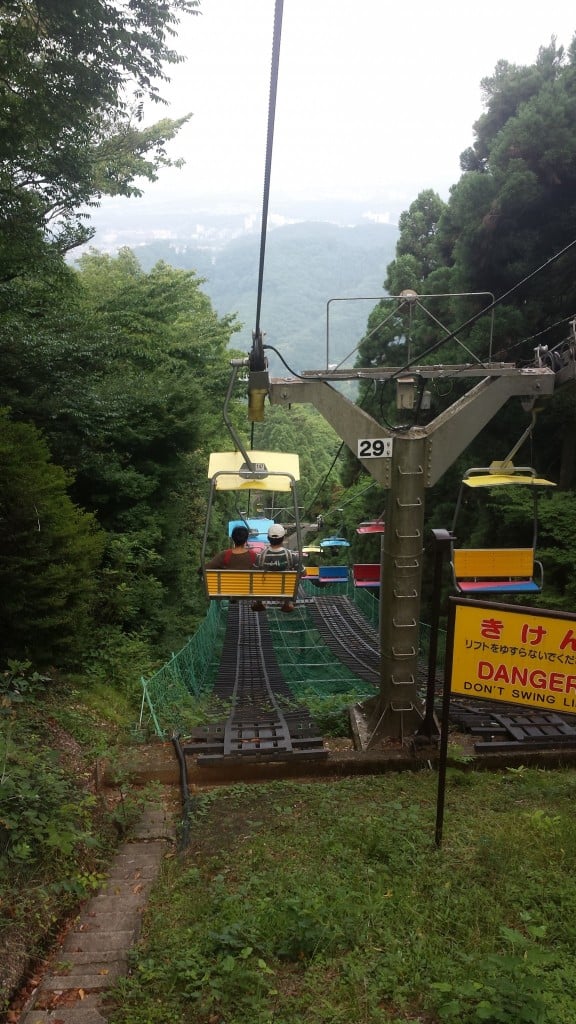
<point>275,471</point>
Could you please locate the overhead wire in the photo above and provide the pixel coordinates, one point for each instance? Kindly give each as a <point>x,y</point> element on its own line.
<point>257,354</point>
<point>473,319</point>
<point>257,359</point>
<point>326,477</point>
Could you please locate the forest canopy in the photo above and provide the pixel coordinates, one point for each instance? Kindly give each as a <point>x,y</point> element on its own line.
<point>72,89</point>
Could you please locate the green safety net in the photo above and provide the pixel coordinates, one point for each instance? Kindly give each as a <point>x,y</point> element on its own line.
<point>307,663</point>
<point>177,697</point>
<point>172,698</point>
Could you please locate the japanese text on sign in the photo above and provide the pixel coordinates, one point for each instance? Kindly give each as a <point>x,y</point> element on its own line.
<point>519,657</point>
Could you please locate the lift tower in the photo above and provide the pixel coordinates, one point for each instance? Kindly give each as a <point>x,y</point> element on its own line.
<point>406,462</point>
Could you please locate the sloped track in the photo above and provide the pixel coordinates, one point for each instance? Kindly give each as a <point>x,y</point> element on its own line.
<point>251,690</point>
<point>499,727</point>
<point>502,727</point>
<point>254,718</point>
<point>352,639</point>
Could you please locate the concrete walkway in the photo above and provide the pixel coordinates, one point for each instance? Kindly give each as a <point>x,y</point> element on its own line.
<point>95,951</point>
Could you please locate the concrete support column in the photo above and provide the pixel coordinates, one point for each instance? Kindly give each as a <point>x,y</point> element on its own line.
<point>398,710</point>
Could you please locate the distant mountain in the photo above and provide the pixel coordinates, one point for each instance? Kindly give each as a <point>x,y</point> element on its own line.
<point>309,268</point>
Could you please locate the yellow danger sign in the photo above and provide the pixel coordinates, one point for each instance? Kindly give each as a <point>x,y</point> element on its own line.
<point>521,656</point>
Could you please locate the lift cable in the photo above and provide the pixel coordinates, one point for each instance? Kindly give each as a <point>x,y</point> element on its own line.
<point>492,305</point>
<point>442,341</point>
<point>257,361</point>
<point>320,488</point>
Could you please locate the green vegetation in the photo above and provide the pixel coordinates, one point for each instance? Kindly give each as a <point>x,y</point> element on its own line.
<point>71,105</point>
<point>56,829</point>
<point>50,552</point>
<point>329,902</point>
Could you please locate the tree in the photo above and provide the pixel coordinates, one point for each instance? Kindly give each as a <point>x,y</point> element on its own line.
<point>418,228</point>
<point>504,93</point>
<point>124,373</point>
<point>73,82</point>
<point>513,208</point>
<point>50,551</point>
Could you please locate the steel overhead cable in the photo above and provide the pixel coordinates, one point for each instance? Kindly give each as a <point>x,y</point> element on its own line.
<point>449,337</point>
<point>472,320</point>
<point>257,358</point>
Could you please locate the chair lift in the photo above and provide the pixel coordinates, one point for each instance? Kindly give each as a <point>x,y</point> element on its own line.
<point>331,573</point>
<point>257,528</point>
<point>368,574</point>
<point>227,471</point>
<point>243,471</point>
<point>371,526</point>
<point>311,555</point>
<point>478,571</point>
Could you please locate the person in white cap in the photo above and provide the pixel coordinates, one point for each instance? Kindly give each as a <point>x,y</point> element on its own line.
<point>277,558</point>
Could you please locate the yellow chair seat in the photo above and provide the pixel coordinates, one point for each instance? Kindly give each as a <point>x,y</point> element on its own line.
<point>251,583</point>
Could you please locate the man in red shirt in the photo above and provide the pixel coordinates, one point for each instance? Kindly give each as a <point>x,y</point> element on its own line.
<point>238,557</point>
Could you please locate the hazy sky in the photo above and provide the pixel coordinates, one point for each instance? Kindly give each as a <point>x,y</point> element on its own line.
<point>375,99</point>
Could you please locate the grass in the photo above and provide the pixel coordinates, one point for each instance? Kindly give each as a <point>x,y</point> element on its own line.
<point>305,903</point>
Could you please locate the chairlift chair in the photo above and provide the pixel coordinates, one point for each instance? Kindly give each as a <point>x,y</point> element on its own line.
<point>479,571</point>
<point>368,574</point>
<point>371,526</point>
<point>331,573</point>
<point>311,554</point>
<point>241,472</point>
<point>258,530</point>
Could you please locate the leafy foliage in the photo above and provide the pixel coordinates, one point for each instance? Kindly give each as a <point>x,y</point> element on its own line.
<point>49,553</point>
<point>513,209</point>
<point>56,833</point>
<point>73,82</point>
<point>105,371</point>
<point>120,370</point>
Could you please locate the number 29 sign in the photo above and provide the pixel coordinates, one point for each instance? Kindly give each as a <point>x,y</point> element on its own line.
<point>375,448</point>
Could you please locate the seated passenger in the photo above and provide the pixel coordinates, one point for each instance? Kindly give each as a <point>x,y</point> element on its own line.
<point>238,557</point>
<point>277,558</point>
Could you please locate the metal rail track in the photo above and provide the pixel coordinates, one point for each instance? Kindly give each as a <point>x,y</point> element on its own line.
<point>251,690</point>
<point>502,727</point>
<point>499,727</point>
<point>252,705</point>
<point>348,635</point>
